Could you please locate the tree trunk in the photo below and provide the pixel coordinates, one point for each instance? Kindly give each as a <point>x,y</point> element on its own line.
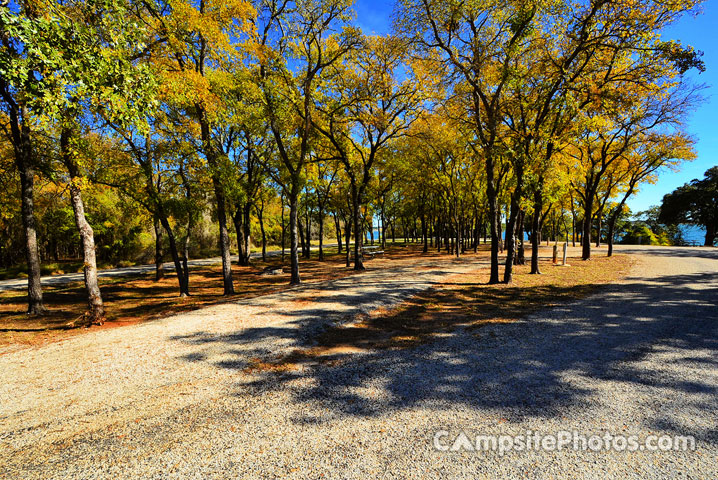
<point>159,261</point>
<point>358,243</point>
<point>283,229</point>
<point>611,226</point>
<point>239,233</point>
<point>458,229</point>
<point>308,235</point>
<point>36,305</point>
<point>383,230</point>
<point>211,156</point>
<point>710,238</point>
<point>521,249</point>
<point>302,242</point>
<point>495,237</point>
<point>338,229</point>
<point>586,237</point>
<point>441,235</point>
<point>96,313</point>
<point>321,233</point>
<point>224,242</point>
<point>348,235</point>
<point>180,267</point>
<point>293,237</point>
<point>260,217</point>
<point>573,229</point>
<point>247,232</point>
<point>94,296</point>
<point>424,233</point>
<point>511,240</point>
<point>188,236</point>
<point>536,232</point>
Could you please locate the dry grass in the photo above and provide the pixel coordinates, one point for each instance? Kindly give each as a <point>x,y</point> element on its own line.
<point>459,301</point>
<point>133,299</point>
<point>130,300</point>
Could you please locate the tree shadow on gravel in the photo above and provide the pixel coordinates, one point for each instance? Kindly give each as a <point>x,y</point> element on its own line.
<point>710,253</point>
<point>471,353</point>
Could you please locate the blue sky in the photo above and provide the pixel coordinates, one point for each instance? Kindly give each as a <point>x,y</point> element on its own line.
<point>701,32</point>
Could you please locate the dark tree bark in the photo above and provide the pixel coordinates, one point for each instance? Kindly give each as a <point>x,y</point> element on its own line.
<point>338,229</point>
<point>521,250</point>
<point>180,265</point>
<point>321,233</point>
<point>573,221</point>
<point>237,220</point>
<point>587,225</point>
<point>25,162</point>
<point>159,260</point>
<point>424,233</point>
<point>711,233</point>
<point>190,219</point>
<point>242,227</point>
<point>348,236</point>
<point>283,229</point>
<point>358,240</point>
<point>220,199</point>
<point>514,215</point>
<point>383,229</point>
<point>302,242</point>
<point>536,232</point>
<point>308,235</point>
<point>293,235</point>
<point>260,217</point>
<point>247,232</point>
<point>437,228</point>
<point>613,218</point>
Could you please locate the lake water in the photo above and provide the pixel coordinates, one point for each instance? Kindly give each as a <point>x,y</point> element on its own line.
<point>693,233</point>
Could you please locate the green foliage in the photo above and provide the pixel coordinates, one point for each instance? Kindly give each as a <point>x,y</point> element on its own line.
<point>694,202</point>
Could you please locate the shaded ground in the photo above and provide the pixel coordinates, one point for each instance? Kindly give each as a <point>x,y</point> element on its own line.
<point>458,301</point>
<point>139,297</point>
<point>184,396</point>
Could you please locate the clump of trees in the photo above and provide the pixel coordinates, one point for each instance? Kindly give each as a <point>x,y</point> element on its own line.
<point>277,117</point>
<point>695,203</point>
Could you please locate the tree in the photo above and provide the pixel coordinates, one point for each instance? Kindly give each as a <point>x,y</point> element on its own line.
<point>53,57</point>
<point>474,45</point>
<point>365,107</point>
<point>144,173</point>
<point>655,152</point>
<point>298,41</point>
<point>695,203</point>
<point>195,44</point>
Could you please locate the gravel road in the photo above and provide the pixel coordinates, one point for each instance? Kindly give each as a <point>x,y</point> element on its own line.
<point>171,399</point>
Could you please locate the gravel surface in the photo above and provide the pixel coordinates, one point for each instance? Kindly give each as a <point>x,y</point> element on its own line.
<point>170,399</point>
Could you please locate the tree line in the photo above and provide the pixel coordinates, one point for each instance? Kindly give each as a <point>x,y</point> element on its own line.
<point>470,119</point>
